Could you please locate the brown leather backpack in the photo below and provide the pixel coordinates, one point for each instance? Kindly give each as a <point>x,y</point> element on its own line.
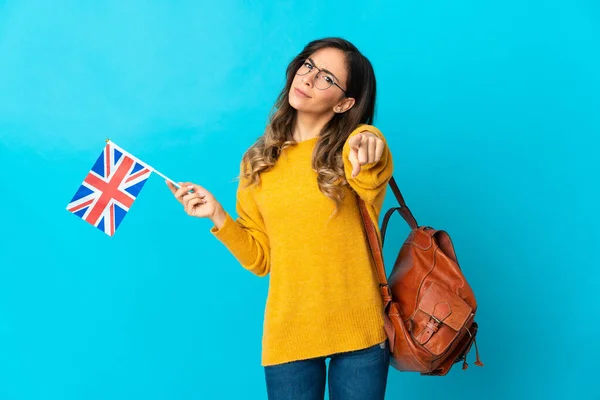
<point>429,307</point>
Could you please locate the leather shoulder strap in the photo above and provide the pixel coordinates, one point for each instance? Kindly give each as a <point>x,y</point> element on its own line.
<point>376,249</point>
<point>373,238</point>
<point>403,210</point>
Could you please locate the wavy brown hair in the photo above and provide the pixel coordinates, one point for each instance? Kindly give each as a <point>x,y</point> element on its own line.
<point>327,157</point>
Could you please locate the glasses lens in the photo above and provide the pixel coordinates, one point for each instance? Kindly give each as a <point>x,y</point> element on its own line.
<point>323,81</point>
<point>303,70</point>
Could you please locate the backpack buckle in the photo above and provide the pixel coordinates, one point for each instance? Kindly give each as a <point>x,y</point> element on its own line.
<point>387,292</point>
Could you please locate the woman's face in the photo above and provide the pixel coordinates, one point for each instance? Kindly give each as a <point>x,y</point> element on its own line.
<point>314,88</point>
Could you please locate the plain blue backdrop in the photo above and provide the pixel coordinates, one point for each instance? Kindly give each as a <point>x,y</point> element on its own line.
<point>492,113</point>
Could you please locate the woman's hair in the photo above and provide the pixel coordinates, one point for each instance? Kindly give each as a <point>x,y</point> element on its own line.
<point>327,157</point>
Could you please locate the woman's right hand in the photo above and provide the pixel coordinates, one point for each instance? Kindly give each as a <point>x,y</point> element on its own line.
<point>198,202</point>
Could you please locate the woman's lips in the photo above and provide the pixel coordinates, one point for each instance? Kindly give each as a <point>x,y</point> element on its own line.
<point>301,93</point>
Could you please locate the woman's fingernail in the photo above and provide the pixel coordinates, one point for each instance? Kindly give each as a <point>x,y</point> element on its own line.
<point>190,187</point>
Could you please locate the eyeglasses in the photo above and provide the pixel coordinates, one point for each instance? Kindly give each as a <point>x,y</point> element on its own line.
<point>323,80</point>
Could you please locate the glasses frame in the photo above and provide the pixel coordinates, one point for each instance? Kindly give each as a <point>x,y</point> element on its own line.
<point>319,70</point>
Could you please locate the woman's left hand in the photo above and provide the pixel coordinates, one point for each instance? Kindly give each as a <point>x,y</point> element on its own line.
<point>365,148</point>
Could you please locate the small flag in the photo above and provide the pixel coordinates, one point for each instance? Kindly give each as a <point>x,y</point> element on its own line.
<point>109,189</point>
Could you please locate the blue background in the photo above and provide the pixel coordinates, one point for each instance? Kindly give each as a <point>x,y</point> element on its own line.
<point>492,113</point>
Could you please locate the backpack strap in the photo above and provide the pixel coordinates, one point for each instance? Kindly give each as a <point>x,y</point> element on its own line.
<point>373,238</point>
<point>403,209</point>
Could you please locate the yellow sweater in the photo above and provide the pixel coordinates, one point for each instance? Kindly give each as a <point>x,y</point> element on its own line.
<point>323,295</point>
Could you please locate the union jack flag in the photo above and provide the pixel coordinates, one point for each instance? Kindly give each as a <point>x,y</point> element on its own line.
<point>109,189</point>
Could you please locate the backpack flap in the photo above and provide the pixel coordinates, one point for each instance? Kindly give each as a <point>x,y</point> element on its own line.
<point>439,319</point>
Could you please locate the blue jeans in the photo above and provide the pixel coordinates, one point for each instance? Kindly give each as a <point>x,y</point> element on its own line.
<point>355,375</point>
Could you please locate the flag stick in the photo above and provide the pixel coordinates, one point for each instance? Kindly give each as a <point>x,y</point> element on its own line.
<point>113,144</point>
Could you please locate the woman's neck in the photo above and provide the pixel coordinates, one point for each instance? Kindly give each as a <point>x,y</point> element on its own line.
<point>308,126</point>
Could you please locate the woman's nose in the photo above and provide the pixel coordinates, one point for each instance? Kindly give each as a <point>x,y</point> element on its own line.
<point>308,78</point>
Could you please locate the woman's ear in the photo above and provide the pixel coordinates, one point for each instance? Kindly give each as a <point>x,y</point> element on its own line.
<point>344,105</point>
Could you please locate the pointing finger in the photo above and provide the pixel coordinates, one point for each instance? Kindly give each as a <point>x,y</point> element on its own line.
<point>355,169</point>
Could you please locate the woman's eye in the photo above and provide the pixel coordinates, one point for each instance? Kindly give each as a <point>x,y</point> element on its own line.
<point>328,79</point>
<point>308,65</point>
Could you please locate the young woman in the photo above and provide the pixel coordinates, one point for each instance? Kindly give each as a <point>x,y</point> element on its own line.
<point>298,219</point>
